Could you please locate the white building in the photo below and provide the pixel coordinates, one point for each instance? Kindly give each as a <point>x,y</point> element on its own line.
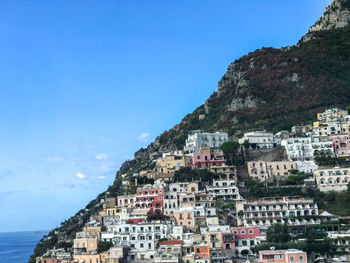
<point>271,210</point>
<point>298,149</point>
<point>307,167</point>
<point>262,139</point>
<point>199,138</point>
<point>142,238</point>
<point>223,189</point>
<point>332,179</point>
<point>322,147</point>
<point>170,202</point>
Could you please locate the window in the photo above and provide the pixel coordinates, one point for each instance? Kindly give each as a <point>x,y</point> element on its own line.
<point>291,259</point>
<point>250,231</point>
<point>242,231</point>
<point>301,259</point>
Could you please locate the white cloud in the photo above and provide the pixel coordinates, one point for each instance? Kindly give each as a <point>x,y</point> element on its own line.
<point>143,137</point>
<point>80,175</point>
<point>101,156</point>
<point>102,177</point>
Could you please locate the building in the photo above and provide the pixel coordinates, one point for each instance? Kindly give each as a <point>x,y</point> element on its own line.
<point>341,145</point>
<point>225,171</point>
<point>291,210</point>
<point>84,258</point>
<point>247,237</point>
<point>262,171</point>
<point>322,147</point>
<point>169,251</point>
<point>262,139</point>
<point>223,189</point>
<point>282,256</point>
<point>170,163</point>
<point>170,202</point>
<point>185,217</point>
<point>200,138</point>
<point>332,179</point>
<point>149,197</point>
<point>207,157</point>
<point>298,149</point>
<point>307,167</point>
<point>141,238</point>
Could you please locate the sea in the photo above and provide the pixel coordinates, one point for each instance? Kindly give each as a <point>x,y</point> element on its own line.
<point>17,247</point>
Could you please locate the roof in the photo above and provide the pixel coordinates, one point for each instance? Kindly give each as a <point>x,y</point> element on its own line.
<point>171,242</point>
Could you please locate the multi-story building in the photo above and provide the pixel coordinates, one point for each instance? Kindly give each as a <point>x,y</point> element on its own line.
<point>184,187</point>
<point>208,157</point>
<point>223,189</point>
<point>199,138</point>
<point>149,197</point>
<point>170,163</point>
<point>332,179</point>
<point>185,217</point>
<point>187,200</point>
<point>169,252</point>
<point>170,202</point>
<point>225,171</point>
<point>141,238</point>
<point>264,170</point>
<point>247,237</point>
<point>262,139</point>
<point>341,145</point>
<point>291,210</point>
<point>298,149</point>
<point>282,256</point>
<point>321,147</point>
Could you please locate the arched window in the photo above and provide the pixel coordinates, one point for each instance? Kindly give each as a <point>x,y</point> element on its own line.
<point>242,231</point>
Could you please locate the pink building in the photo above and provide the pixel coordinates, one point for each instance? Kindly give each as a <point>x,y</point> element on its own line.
<point>282,256</point>
<point>185,217</point>
<point>152,198</point>
<point>247,237</point>
<point>207,157</point>
<point>341,145</point>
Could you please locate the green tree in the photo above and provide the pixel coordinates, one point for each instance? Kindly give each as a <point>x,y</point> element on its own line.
<point>278,233</point>
<point>230,149</point>
<point>104,246</point>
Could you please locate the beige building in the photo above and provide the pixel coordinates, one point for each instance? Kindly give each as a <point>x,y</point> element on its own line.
<point>214,240</point>
<point>86,258</point>
<point>172,162</point>
<point>264,170</point>
<point>187,200</point>
<point>227,172</point>
<point>332,179</point>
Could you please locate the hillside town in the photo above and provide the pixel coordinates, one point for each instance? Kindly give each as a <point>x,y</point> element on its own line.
<point>262,197</point>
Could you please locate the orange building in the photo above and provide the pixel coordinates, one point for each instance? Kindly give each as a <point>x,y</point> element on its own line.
<point>202,251</point>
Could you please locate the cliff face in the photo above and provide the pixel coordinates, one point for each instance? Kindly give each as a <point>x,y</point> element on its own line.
<point>269,88</point>
<point>336,15</point>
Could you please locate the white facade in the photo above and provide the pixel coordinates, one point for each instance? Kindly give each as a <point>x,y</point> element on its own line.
<point>271,210</point>
<point>332,179</point>
<point>199,138</point>
<point>262,139</point>
<point>142,238</point>
<point>223,189</point>
<point>170,202</point>
<point>298,149</point>
<point>307,167</point>
<point>325,147</point>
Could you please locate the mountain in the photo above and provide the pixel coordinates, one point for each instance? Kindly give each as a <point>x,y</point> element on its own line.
<point>269,88</point>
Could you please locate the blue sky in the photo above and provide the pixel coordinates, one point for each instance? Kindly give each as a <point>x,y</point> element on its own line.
<point>84,84</point>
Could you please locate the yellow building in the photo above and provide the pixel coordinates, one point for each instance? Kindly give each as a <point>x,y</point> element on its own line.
<point>172,162</point>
